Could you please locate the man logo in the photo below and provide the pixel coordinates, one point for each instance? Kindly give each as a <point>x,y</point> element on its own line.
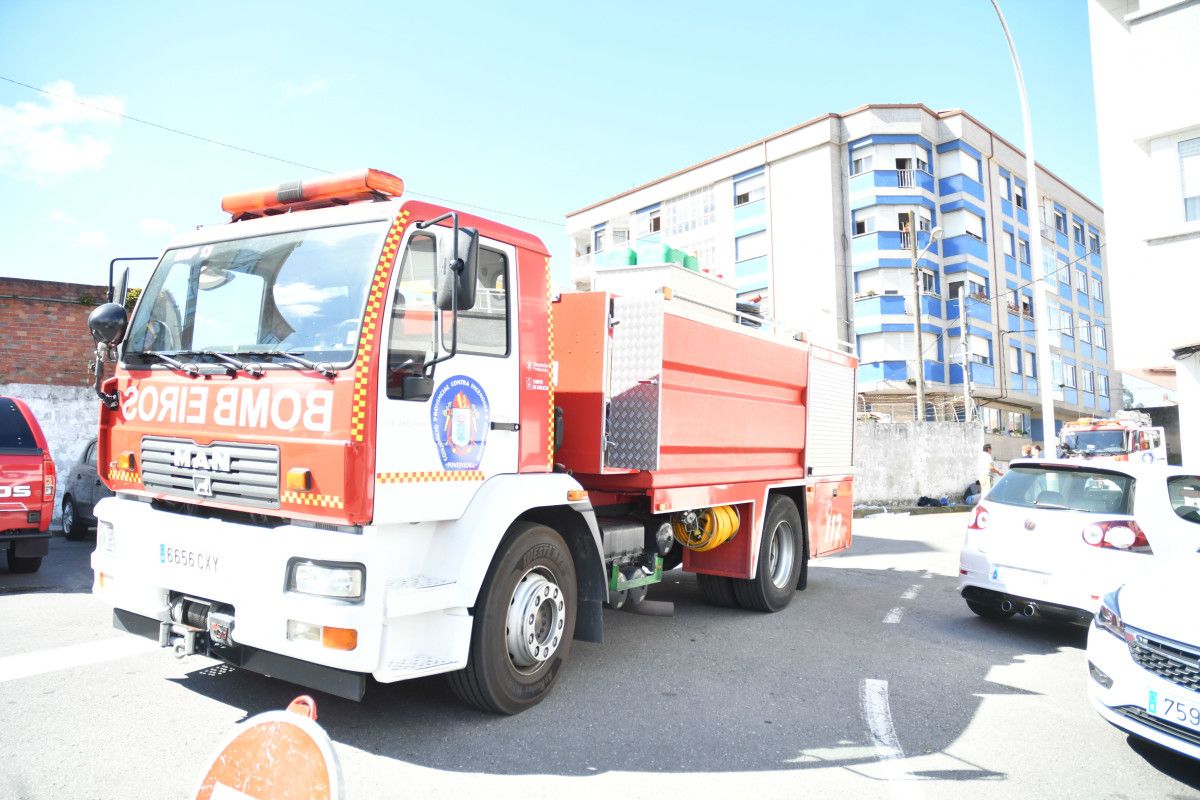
<point>210,459</point>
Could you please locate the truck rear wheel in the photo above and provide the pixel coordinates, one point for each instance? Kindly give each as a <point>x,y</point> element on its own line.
<point>780,559</point>
<point>716,590</point>
<point>22,565</point>
<point>524,623</point>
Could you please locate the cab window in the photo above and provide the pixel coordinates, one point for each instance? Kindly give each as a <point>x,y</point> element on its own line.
<point>483,330</point>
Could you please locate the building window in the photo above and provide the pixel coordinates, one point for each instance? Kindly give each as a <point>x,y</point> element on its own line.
<point>979,348</point>
<point>1081,281</point>
<point>864,225</point>
<point>1031,365</point>
<point>1060,221</point>
<point>750,190</point>
<point>1094,243</point>
<point>1014,360</point>
<point>1085,331</point>
<point>991,418</point>
<point>977,290</point>
<point>1007,181</point>
<point>752,245</point>
<point>862,164</point>
<point>1019,198</point>
<point>1016,422</point>
<point>928,282</point>
<point>922,165</point>
<point>1069,376</point>
<point>598,239</point>
<point>1023,247</point>
<point>1099,338</point>
<point>1088,381</point>
<point>1077,233</point>
<point>1103,381</point>
<point>1189,169</point>
<point>620,236</point>
<point>1008,244</point>
<point>1027,307</point>
<point>1097,288</point>
<point>1068,324</point>
<point>689,212</point>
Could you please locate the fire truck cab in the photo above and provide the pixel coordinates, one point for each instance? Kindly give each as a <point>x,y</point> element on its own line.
<point>1126,436</point>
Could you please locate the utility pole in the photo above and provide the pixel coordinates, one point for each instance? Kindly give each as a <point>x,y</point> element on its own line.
<point>963,355</point>
<point>916,277</point>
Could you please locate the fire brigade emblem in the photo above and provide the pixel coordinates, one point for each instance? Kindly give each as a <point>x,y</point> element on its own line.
<point>460,417</point>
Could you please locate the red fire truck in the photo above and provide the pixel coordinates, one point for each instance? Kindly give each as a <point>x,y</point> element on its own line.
<point>352,435</point>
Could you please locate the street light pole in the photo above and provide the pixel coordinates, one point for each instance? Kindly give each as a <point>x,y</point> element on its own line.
<point>934,235</point>
<point>1042,336</point>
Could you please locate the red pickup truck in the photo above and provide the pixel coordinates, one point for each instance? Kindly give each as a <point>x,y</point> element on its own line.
<point>27,483</point>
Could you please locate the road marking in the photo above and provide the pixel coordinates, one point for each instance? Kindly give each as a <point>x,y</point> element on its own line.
<point>40,662</point>
<point>877,713</point>
<point>912,592</point>
<point>894,615</point>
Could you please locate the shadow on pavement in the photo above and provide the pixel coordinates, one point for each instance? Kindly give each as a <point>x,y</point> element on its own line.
<point>872,545</point>
<point>711,690</point>
<point>1181,768</point>
<point>67,569</point>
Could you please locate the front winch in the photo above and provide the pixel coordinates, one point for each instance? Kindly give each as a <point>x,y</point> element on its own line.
<point>192,621</point>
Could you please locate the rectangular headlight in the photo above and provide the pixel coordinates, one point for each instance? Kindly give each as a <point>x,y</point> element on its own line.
<point>106,537</point>
<point>326,579</point>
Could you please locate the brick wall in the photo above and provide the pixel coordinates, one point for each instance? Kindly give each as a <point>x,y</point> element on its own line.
<point>44,337</point>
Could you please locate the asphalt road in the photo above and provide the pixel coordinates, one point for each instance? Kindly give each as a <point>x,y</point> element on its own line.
<point>875,682</point>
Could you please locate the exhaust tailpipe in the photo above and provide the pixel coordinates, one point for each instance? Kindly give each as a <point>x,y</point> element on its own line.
<point>1029,610</point>
<point>1006,605</point>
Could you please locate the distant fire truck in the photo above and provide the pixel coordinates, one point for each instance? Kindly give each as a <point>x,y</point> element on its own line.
<point>355,436</point>
<point>1126,436</point>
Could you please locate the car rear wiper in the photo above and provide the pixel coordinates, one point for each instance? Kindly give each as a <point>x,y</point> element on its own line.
<point>1055,506</point>
<point>323,367</point>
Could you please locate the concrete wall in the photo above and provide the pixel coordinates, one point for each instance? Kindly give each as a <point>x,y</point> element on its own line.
<point>899,462</point>
<point>69,416</point>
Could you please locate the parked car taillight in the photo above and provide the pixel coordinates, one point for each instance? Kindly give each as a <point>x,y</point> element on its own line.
<point>48,477</point>
<point>979,518</point>
<point>1118,534</point>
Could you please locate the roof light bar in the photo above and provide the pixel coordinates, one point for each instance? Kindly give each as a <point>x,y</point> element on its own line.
<point>349,187</point>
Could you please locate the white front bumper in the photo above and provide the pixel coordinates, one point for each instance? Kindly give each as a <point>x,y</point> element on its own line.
<point>1131,686</point>
<point>408,624</point>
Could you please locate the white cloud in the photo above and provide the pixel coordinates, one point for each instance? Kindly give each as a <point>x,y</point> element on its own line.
<point>53,137</point>
<point>93,239</point>
<point>151,226</point>
<point>61,217</point>
<point>306,89</point>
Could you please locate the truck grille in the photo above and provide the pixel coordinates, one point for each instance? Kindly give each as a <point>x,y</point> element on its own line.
<point>1167,660</point>
<point>240,474</point>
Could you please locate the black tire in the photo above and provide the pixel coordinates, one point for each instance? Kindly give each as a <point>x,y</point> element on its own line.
<point>989,612</point>
<point>73,527</point>
<point>781,559</point>
<point>23,565</point>
<point>716,590</point>
<point>498,678</point>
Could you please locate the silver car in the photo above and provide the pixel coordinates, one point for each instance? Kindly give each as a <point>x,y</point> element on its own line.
<point>83,489</point>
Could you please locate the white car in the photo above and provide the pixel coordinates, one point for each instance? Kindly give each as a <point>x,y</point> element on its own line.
<point>1144,656</point>
<point>1053,537</point>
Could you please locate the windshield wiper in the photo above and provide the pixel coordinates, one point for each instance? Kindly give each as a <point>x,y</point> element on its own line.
<point>1055,506</point>
<point>323,367</point>
<point>232,365</point>
<point>190,369</point>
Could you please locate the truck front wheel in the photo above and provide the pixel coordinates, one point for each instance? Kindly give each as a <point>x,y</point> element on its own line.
<point>524,623</point>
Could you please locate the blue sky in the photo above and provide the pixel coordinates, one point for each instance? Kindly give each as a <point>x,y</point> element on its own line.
<point>533,109</point>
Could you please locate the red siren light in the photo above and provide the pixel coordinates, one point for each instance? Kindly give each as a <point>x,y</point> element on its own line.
<point>334,190</point>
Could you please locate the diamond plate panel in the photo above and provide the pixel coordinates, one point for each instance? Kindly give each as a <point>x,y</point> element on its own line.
<point>634,390</point>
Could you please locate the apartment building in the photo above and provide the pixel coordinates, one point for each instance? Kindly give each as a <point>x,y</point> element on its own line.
<point>814,223</point>
<point>1148,121</point>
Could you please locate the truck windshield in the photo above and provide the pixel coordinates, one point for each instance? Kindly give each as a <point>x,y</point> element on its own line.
<point>1095,442</point>
<point>300,292</point>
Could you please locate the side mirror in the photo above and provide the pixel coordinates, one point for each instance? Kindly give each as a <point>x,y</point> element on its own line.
<point>458,263</point>
<point>108,324</point>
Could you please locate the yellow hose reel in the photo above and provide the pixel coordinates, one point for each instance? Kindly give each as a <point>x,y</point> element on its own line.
<point>707,528</point>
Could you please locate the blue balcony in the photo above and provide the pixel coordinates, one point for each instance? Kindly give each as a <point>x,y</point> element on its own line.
<point>1089,400</point>
<point>1006,207</point>
<point>1081,299</point>
<point>1094,260</point>
<point>1023,217</point>
<point>872,371</point>
<point>886,240</point>
<point>964,244</point>
<point>1026,272</point>
<point>749,210</point>
<point>1084,349</point>
<point>1060,238</point>
<point>1010,265</point>
<point>1105,404</point>
<point>979,309</point>
<point>879,305</point>
<point>1080,250</point>
<point>960,183</point>
<point>982,374</point>
<point>1030,385</point>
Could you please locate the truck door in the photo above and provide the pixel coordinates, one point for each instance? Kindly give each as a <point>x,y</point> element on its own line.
<point>433,454</point>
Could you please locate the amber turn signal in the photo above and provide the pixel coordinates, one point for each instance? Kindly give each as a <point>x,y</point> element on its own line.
<point>299,479</point>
